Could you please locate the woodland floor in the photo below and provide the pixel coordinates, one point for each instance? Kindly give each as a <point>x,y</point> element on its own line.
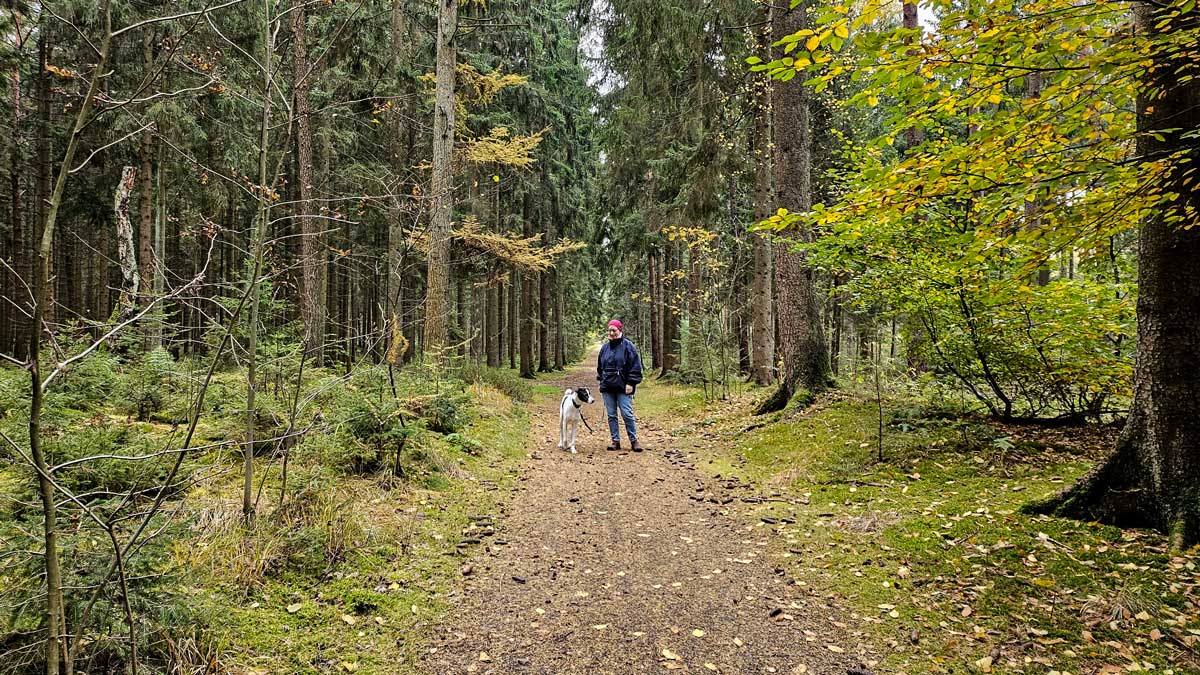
<point>611,562</point>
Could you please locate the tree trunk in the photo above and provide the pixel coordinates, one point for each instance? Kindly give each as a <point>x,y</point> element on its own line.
<point>835,321</point>
<point>16,333</point>
<point>42,168</point>
<point>762,327</point>
<point>544,344</point>
<point>511,324</point>
<point>462,312</point>
<point>1153,476</point>
<point>802,342</point>
<point>528,318</point>
<point>437,291</point>
<point>912,135</point>
<point>131,279</point>
<point>670,347</point>
<point>145,255</point>
<point>655,304</point>
<point>56,629</point>
<point>560,331</point>
<point>401,41</point>
<point>494,336</point>
<point>314,279</point>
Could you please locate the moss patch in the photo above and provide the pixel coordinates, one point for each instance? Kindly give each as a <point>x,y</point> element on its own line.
<point>926,552</point>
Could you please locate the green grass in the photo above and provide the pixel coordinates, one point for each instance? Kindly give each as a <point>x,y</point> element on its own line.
<point>371,611</point>
<point>930,543</point>
<point>354,574</point>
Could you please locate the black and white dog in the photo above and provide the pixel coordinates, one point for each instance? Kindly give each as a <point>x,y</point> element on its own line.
<point>570,413</point>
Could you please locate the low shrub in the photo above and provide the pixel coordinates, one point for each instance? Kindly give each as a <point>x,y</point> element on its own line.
<point>505,380</point>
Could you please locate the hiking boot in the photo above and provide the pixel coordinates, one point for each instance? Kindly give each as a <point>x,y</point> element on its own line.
<point>637,447</point>
<point>614,445</point>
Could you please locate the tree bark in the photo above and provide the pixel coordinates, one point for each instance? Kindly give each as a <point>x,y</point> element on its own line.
<point>314,278</point>
<point>801,336</point>
<point>671,299</point>
<point>145,255</point>
<point>544,344</point>
<point>1153,476</point>
<point>42,168</point>
<point>762,327</point>
<point>16,332</point>
<point>527,300</point>
<point>494,336</point>
<point>56,629</point>
<point>511,329</point>
<point>401,45</point>
<point>437,291</point>
<point>655,304</point>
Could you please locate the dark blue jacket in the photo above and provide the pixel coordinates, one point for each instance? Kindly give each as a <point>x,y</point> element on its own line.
<point>618,365</point>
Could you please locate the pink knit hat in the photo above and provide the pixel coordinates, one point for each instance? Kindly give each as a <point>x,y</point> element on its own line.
<point>616,323</point>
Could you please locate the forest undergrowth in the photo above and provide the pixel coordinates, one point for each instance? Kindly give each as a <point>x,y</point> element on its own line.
<point>926,548</point>
<point>348,561</point>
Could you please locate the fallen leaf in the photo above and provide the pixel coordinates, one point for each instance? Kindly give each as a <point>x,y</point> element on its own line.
<point>350,667</point>
<point>670,655</point>
<point>483,656</point>
<point>835,649</point>
<point>292,609</point>
<point>984,664</point>
<point>698,633</point>
<point>738,642</point>
<point>600,626</point>
<point>349,619</point>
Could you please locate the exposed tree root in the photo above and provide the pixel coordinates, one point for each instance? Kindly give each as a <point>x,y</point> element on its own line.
<point>1120,491</point>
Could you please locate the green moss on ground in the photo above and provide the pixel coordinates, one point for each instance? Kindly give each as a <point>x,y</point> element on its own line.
<point>926,554</point>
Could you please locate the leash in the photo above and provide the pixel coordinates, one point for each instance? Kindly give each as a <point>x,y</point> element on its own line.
<point>581,417</point>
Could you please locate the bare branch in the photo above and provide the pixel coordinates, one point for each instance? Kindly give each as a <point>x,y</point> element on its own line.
<point>162,19</point>
<point>109,145</point>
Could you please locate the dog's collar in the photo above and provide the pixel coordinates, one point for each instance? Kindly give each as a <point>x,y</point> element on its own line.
<point>574,402</point>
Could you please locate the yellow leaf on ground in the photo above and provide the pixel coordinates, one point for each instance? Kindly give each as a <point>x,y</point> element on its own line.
<point>698,633</point>
<point>670,655</point>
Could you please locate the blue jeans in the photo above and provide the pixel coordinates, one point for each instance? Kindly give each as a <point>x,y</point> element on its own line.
<point>625,402</point>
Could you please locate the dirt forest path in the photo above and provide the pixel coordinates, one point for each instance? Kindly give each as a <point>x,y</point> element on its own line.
<point>610,567</point>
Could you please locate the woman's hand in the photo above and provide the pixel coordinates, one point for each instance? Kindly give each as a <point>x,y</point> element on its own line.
<point>629,389</point>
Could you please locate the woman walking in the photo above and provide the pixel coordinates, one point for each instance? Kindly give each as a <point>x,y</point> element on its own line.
<point>619,371</point>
